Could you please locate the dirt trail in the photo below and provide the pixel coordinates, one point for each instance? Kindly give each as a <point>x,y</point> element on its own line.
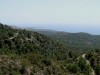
<point>93,72</point>
<point>15,35</point>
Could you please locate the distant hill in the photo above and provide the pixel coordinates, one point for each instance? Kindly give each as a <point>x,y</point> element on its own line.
<point>80,40</point>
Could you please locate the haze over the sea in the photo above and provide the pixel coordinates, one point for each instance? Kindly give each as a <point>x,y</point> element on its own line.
<point>61,15</point>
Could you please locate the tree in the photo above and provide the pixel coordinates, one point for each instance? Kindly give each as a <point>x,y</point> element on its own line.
<point>93,61</point>
<point>87,70</point>
<point>73,68</point>
<point>82,63</point>
<point>97,69</point>
<point>22,70</point>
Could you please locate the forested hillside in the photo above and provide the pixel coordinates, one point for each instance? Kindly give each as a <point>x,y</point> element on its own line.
<point>25,52</point>
<point>82,41</point>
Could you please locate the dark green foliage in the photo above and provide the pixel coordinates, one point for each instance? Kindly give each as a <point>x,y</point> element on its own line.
<point>74,68</point>
<point>47,62</point>
<point>22,70</point>
<point>25,52</point>
<point>87,70</point>
<point>97,69</point>
<point>82,63</point>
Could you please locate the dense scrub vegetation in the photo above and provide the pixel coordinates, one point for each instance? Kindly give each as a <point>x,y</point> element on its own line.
<point>25,52</point>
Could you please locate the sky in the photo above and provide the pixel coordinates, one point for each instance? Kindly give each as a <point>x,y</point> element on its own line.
<point>62,15</point>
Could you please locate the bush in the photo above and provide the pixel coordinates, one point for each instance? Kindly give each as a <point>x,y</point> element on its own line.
<point>97,69</point>
<point>47,62</point>
<point>82,63</point>
<point>73,68</point>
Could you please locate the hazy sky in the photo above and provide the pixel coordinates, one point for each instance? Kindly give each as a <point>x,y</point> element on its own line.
<point>67,15</point>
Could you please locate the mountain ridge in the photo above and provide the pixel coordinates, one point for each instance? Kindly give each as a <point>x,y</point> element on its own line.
<point>74,39</point>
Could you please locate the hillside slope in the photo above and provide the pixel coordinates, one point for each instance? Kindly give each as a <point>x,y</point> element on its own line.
<point>25,52</point>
